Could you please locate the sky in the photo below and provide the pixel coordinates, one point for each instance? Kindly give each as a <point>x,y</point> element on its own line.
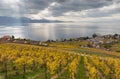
<point>64,10</point>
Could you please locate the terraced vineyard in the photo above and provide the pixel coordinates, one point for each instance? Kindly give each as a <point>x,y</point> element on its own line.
<point>19,61</point>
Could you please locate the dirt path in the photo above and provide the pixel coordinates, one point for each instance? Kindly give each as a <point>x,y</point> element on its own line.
<point>1,77</point>
<point>34,77</point>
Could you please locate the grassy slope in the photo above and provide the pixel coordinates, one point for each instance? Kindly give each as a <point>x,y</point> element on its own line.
<point>75,46</point>
<point>81,73</point>
<point>116,47</point>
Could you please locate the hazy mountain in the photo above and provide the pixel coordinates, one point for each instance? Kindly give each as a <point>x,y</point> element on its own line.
<point>11,20</point>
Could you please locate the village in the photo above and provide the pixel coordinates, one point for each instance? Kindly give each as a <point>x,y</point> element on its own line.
<point>96,41</point>
<point>12,39</point>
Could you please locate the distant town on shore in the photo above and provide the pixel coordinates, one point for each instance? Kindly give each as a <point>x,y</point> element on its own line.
<point>96,41</point>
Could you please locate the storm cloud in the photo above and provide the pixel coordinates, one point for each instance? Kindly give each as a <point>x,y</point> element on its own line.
<point>59,9</point>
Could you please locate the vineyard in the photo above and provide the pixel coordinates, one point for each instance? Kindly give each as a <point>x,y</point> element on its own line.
<point>19,61</point>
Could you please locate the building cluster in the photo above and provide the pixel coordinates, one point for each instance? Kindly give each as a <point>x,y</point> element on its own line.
<point>104,40</point>
<point>5,39</point>
<point>9,39</point>
<point>96,41</point>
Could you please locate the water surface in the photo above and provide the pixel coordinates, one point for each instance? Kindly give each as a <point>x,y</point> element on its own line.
<point>45,31</point>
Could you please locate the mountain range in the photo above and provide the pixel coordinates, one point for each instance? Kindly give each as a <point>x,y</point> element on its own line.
<point>11,20</point>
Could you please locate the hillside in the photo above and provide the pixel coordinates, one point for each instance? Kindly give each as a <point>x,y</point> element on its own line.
<point>58,61</point>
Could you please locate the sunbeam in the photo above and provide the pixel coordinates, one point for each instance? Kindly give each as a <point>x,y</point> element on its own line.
<point>13,5</point>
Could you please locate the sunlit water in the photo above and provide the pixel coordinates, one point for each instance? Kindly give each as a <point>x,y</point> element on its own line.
<point>45,31</point>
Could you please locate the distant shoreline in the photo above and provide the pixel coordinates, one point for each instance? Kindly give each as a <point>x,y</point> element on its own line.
<point>68,39</point>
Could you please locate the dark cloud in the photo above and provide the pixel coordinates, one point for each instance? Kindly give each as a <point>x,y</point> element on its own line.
<point>104,12</point>
<point>61,1</point>
<point>24,6</point>
<point>35,6</point>
<point>79,5</point>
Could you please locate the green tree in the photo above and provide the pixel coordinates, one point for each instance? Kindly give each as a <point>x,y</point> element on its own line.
<point>94,35</point>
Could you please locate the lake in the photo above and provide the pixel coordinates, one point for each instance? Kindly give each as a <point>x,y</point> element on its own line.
<point>45,31</point>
